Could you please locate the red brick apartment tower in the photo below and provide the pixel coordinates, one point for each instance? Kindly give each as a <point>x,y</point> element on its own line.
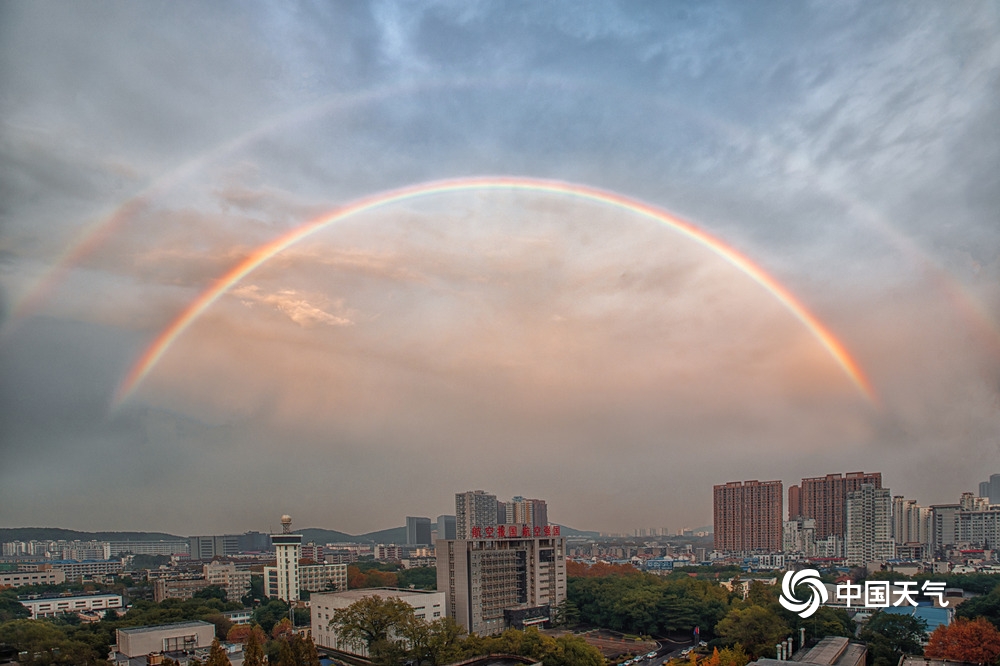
<point>748,516</point>
<point>794,502</point>
<point>825,499</point>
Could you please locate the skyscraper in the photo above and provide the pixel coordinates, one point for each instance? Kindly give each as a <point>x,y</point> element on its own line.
<point>446,527</point>
<point>825,499</point>
<point>869,526</point>
<point>747,516</point>
<point>418,531</point>
<point>991,489</point>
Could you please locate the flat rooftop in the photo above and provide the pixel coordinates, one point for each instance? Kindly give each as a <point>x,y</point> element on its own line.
<point>160,627</point>
<point>381,592</point>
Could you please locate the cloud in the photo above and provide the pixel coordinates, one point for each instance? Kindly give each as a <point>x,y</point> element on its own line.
<point>297,308</point>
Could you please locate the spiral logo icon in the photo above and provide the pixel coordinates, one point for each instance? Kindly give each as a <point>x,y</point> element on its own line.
<point>817,594</point>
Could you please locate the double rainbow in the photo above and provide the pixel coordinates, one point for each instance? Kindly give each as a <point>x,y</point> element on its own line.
<point>152,355</point>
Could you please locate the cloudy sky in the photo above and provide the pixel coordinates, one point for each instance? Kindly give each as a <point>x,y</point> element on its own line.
<point>521,340</point>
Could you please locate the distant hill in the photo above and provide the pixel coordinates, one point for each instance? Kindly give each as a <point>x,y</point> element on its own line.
<point>321,536</point>
<point>567,531</point>
<point>310,534</point>
<point>391,535</point>
<point>59,534</point>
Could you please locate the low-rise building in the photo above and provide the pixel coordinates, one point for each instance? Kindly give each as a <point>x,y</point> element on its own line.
<point>77,571</point>
<point>135,642</point>
<point>427,606</point>
<point>22,578</point>
<point>52,606</point>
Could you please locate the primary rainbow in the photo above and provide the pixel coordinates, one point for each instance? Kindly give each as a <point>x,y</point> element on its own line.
<point>162,343</point>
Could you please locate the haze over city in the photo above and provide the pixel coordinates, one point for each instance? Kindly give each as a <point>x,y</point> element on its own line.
<point>575,325</point>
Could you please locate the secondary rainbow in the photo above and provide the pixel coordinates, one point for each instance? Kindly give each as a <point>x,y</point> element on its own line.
<point>161,344</point>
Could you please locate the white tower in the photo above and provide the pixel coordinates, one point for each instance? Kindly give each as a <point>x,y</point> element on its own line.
<point>287,547</point>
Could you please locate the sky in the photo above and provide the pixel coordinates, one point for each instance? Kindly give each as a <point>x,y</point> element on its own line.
<point>704,191</point>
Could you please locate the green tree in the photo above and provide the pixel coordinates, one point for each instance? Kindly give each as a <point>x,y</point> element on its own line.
<point>573,651</point>
<point>376,623</point>
<point>269,614</point>
<point>217,656</point>
<point>11,608</point>
<point>986,605</point>
<point>756,628</point>
<point>890,636</point>
<point>212,592</point>
<point>419,578</point>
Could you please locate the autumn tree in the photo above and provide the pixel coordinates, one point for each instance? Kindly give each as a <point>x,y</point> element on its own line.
<point>217,656</point>
<point>282,629</point>
<point>253,650</point>
<point>976,641</point>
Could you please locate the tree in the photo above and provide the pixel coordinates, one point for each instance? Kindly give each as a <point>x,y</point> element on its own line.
<point>253,650</point>
<point>976,641</point>
<point>376,623</point>
<point>890,636</point>
<point>734,656</point>
<point>282,629</point>
<point>756,628</point>
<point>217,656</point>
<point>986,605</point>
<point>11,608</point>
<point>212,592</point>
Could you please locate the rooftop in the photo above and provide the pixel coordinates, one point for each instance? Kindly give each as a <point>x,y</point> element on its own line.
<point>160,627</point>
<point>382,592</point>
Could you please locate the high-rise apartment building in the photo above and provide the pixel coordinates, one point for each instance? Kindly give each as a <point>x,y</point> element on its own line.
<point>747,516</point>
<point>498,575</point>
<point>869,526</point>
<point>911,523</point>
<point>794,502</point>
<point>520,511</point>
<point>799,536</point>
<point>474,507</point>
<point>825,499</point>
<point>287,548</point>
<point>418,531</point>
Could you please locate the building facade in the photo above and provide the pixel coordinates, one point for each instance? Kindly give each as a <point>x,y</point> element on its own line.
<point>182,636</point>
<point>748,516</point>
<point>208,547</point>
<point>825,499</point>
<point>869,526</point>
<point>418,531</point>
<point>498,575</point>
<point>427,606</point>
<point>22,578</point>
<point>446,527</point>
<point>287,549</point>
<point>474,507</point>
<point>51,607</point>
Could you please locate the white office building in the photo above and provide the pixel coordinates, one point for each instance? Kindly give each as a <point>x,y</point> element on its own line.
<point>427,606</point>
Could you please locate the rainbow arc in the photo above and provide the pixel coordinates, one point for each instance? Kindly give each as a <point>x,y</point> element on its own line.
<point>156,350</point>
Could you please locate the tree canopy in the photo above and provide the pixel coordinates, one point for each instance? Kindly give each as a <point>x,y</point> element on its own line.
<point>976,641</point>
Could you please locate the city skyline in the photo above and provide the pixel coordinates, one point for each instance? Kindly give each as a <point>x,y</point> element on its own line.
<point>343,261</point>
